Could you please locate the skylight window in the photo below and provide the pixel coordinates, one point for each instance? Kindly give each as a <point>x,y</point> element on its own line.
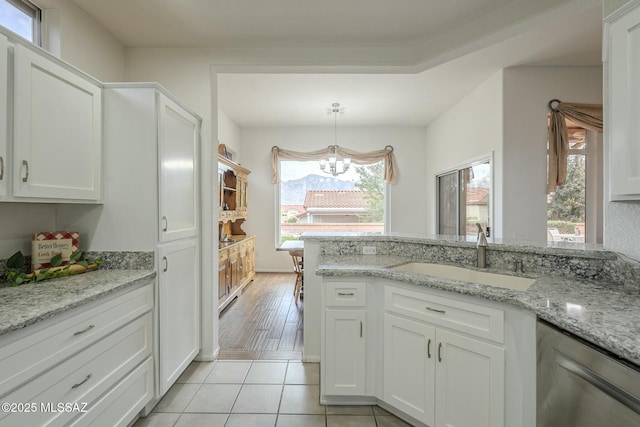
<point>22,17</point>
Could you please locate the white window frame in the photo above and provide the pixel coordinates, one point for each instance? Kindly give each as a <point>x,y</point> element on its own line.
<point>35,13</point>
<point>487,158</point>
<point>277,234</point>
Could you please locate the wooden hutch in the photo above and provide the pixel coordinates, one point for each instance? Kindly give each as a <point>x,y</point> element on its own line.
<point>236,254</point>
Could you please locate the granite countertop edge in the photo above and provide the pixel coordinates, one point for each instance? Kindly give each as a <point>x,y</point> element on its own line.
<point>30,303</point>
<point>570,249</point>
<point>602,314</point>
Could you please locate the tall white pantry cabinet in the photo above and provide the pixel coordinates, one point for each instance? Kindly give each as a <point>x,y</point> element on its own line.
<point>151,202</point>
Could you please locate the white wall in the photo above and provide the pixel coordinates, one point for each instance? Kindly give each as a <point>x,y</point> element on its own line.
<point>229,135</point>
<point>75,37</point>
<point>406,196</point>
<point>470,129</point>
<point>508,114</point>
<point>18,221</point>
<point>527,91</point>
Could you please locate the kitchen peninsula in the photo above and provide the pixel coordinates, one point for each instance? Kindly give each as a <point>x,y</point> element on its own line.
<point>588,292</point>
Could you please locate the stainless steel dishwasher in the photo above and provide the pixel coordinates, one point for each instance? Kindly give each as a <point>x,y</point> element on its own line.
<point>580,385</point>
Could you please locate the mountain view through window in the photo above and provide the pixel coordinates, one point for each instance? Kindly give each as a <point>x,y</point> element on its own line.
<point>312,201</point>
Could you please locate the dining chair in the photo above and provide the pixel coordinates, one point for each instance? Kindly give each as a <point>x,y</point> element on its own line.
<point>298,269</point>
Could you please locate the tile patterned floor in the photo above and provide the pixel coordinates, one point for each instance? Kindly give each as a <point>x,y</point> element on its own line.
<point>260,393</point>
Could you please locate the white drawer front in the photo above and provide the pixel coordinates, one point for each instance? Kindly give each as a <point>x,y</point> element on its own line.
<point>84,377</point>
<point>477,320</point>
<point>33,354</point>
<point>346,294</point>
<point>123,402</point>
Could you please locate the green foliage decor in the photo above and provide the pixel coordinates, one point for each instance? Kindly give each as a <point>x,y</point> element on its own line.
<point>78,263</point>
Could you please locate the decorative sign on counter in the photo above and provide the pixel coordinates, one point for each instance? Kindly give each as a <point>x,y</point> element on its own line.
<point>46,245</point>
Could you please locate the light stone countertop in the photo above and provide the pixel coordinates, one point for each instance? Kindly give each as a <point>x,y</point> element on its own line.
<point>24,305</point>
<point>602,313</point>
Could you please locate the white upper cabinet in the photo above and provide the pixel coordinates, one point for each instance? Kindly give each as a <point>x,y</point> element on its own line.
<point>622,104</point>
<point>178,133</point>
<point>4,113</point>
<point>57,131</point>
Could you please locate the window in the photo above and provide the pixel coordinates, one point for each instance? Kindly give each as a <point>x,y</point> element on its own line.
<point>464,199</point>
<point>22,17</point>
<point>574,210</point>
<point>311,201</point>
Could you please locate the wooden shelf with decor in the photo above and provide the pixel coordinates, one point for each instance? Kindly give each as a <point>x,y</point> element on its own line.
<point>236,256</point>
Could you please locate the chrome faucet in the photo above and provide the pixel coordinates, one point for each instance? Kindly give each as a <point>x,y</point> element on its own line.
<point>481,247</point>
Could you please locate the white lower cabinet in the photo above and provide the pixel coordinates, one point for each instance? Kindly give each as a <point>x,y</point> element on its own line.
<point>98,373</point>
<point>469,382</point>
<point>409,375</point>
<point>442,378</point>
<point>435,374</point>
<point>436,357</point>
<point>345,353</point>
<point>344,370</point>
<point>179,309</point>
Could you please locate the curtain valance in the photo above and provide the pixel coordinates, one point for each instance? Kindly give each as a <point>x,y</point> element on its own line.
<point>588,116</point>
<point>385,154</point>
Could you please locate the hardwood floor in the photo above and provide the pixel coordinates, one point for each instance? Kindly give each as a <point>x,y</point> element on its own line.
<point>263,322</point>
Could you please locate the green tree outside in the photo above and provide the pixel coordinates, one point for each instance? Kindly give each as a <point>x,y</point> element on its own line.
<point>568,202</point>
<point>372,183</point>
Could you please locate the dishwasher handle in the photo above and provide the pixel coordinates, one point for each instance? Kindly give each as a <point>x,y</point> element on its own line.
<point>612,390</point>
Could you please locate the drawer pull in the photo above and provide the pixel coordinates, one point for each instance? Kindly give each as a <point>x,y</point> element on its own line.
<point>439,352</point>
<point>88,328</point>
<point>429,349</point>
<point>166,264</point>
<point>345,294</point>
<point>1,168</point>
<point>361,329</point>
<point>81,382</point>
<point>435,309</point>
<point>165,223</point>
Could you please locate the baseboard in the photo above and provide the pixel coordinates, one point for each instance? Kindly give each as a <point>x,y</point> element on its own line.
<point>202,357</point>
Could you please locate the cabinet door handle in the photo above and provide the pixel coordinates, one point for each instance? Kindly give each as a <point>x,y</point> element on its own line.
<point>166,263</point>
<point>26,167</point>
<point>435,310</point>
<point>429,349</point>
<point>81,382</point>
<point>440,352</point>
<point>88,328</point>
<point>345,294</point>
<point>361,329</point>
<point>165,221</point>
<point>1,168</point>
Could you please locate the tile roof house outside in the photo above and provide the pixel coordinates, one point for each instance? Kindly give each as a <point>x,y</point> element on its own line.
<point>477,196</point>
<point>477,208</point>
<point>336,206</point>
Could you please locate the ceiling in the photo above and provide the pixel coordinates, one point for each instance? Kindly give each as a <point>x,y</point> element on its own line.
<point>444,49</point>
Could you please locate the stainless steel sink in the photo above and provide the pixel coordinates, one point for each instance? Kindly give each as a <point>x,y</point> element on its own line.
<point>473,276</point>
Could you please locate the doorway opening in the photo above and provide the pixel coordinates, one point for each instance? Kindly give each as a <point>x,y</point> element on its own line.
<point>264,322</point>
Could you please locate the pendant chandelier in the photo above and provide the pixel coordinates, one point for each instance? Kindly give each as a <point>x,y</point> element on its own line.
<point>335,165</point>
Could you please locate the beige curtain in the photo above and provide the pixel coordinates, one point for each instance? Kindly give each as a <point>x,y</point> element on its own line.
<point>385,154</point>
<point>588,116</point>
